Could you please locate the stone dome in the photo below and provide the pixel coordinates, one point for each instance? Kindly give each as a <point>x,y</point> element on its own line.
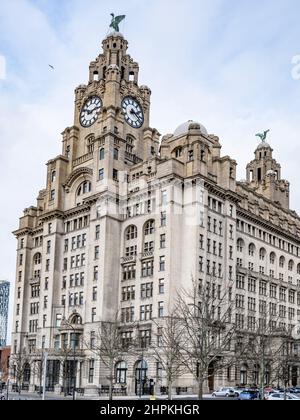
<point>263,145</point>
<point>114,34</point>
<point>185,127</point>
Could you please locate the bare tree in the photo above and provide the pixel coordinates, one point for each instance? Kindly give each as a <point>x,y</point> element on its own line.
<point>205,312</point>
<point>20,363</point>
<point>267,350</point>
<point>109,347</point>
<point>168,347</point>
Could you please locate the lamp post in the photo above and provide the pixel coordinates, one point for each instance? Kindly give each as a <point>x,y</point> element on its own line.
<point>74,362</point>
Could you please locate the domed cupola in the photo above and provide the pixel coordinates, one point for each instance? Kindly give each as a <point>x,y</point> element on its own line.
<point>183,129</point>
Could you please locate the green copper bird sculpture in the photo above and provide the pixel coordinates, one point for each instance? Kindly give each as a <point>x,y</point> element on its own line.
<point>263,135</point>
<point>116,20</point>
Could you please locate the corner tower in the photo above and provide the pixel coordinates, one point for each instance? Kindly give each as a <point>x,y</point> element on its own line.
<point>264,176</point>
<point>113,105</point>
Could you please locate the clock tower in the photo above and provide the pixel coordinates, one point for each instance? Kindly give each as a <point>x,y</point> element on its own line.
<point>114,108</point>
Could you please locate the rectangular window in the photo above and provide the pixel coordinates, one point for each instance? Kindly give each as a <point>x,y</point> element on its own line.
<point>101,174</point>
<point>49,228</point>
<point>163,219</point>
<point>97,252</point>
<point>97,234</point>
<point>160,309</point>
<point>163,241</point>
<point>48,247</point>
<point>91,370</point>
<point>162,263</point>
<point>161,286</point>
<point>115,175</point>
<point>52,195</point>
<point>93,314</point>
<point>45,302</point>
<point>146,313</point>
<point>94,294</point>
<point>66,247</point>
<point>146,290</point>
<point>147,268</point>
<point>96,273</point>
<point>164,198</point>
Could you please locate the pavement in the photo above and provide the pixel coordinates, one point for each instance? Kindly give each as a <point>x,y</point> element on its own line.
<point>50,396</point>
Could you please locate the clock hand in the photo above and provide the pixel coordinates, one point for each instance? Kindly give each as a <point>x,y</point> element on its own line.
<point>137,116</point>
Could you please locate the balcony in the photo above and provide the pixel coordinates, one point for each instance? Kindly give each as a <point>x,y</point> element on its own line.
<point>83,159</point>
<point>130,259</point>
<point>35,280</point>
<point>147,255</point>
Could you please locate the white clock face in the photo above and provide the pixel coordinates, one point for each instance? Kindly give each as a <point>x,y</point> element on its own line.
<point>90,111</point>
<point>134,115</point>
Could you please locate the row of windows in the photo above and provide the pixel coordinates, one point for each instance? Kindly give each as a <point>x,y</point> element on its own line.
<point>213,247</point>
<point>213,268</point>
<point>75,280</point>
<point>261,323</point>
<point>77,224</point>
<point>267,237</point>
<point>263,256</point>
<point>146,291</point>
<point>146,313</point>
<point>275,291</point>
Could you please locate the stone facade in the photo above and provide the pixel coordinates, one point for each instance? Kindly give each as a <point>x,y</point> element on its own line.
<point>127,220</point>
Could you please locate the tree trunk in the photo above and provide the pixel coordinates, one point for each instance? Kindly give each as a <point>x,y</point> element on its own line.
<point>170,383</point>
<point>111,381</point>
<point>200,387</point>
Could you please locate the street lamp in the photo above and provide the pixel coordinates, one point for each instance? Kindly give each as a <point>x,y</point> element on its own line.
<point>74,360</point>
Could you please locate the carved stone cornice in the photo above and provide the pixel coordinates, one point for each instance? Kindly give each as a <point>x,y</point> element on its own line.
<point>55,214</point>
<point>267,225</point>
<point>22,232</point>
<point>76,211</point>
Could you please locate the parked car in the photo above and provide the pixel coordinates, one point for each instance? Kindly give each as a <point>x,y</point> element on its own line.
<point>279,396</point>
<point>238,390</point>
<point>249,394</point>
<point>225,392</point>
<point>294,390</point>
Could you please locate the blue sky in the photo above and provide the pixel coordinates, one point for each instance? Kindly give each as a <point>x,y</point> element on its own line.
<point>224,63</point>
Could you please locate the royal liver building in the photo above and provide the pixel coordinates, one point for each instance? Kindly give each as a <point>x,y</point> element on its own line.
<point>126,220</point>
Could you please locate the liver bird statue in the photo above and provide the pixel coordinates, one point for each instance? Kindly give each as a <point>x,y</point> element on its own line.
<point>116,20</point>
<point>263,135</point>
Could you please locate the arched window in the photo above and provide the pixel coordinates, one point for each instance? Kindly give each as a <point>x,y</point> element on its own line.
<point>121,373</point>
<point>149,228</point>
<point>75,320</point>
<point>240,245</point>
<point>131,233</point>
<point>90,144</point>
<point>101,154</point>
<point>141,376</point>
<point>37,259</point>
<point>251,250</point>
<point>53,176</point>
<point>282,262</point>
<point>272,258</point>
<point>291,265</point>
<point>262,254</point>
<point>178,152</point>
<point>84,188</point>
